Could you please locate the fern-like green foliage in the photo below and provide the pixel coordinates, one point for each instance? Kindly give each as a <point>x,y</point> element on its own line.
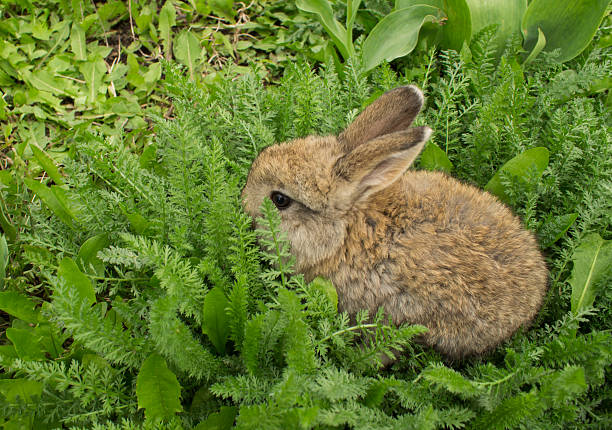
<point>284,357</point>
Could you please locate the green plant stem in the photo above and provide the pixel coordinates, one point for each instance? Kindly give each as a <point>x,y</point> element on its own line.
<point>349,28</point>
<point>497,382</point>
<point>346,330</point>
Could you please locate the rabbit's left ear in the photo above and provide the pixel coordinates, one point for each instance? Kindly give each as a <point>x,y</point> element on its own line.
<point>376,164</point>
<point>392,112</point>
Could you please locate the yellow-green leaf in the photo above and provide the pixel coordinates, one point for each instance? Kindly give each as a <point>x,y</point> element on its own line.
<point>187,50</point>
<point>21,388</point>
<point>433,158</point>
<point>87,258</point>
<point>55,199</point>
<point>44,81</point>
<point>222,420</point>
<point>533,161</point>
<point>74,279</point>
<point>396,34</point>
<point>540,44</point>
<point>77,42</point>
<point>26,343</point>
<point>457,27</point>
<point>93,71</point>
<point>324,12</point>
<point>592,262</point>
<point>507,14</point>
<point>167,20</point>
<point>569,25</point>
<point>157,389</point>
<point>214,319</point>
<point>47,163</point>
<point>19,306</point>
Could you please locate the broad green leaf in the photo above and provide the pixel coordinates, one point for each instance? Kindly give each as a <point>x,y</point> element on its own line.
<point>222,420</point>
<point>224,40</point>
<point>433,158</point>
<point>44,81</point>
<point>325,14</point>
<point>24,389</point>
<point>456,29</point>
<point>148,157</point>
<point>569,25</point>
<point>55,199</point>
<point>87,258</point>
<point>47,164</point>
<point>352,7</point>
<point>138,223</point>
<point>7,227</point>
<point>152,75</point>
<point>93,71</point>
<point>167,20</point>
<point>40,30</point>
<point>187,50</point>
<point>78,9</point>
<point>326,287</point>
<point>376,393</point>
<point>4,260</point>
<point>96,360</point>
<point>3,103</point>
<point>556,227</point>
<point>26,343</point>
<point>144,19</point>
<point>111,9</point>
<point>19,306</point>
<point>6,178</point>
<point>396,34</point>
<point>69,272</point>
<point>122,106</point>
<point>532,161</point>
<point>50,337</point>
<point>157,389</point>
<point>505,13</point>
<point>537,48</point>
<point>214,319</point>
<point>222,8</point>
<point>592,262</point>
<point>77,42</point>
<point>134,76</point>
<point>8,351</point>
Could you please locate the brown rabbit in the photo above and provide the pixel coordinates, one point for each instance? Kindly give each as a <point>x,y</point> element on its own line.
<point>427,248</point>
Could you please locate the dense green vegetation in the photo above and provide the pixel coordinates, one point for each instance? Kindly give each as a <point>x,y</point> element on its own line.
<point>134,293</point>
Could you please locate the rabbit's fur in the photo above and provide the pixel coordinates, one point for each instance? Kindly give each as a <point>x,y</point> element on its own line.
<point>427,248</point>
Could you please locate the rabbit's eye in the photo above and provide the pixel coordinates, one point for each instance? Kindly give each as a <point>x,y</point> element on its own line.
<point>280,200</point>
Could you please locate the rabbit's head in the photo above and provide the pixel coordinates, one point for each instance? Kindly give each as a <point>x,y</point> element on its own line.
<point>316,181</point>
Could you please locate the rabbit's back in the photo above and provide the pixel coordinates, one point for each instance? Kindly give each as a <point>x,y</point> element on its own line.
<point>436,252</point>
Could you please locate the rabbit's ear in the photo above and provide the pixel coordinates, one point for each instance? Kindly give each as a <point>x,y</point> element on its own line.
<point>393,111</point>
<point>376,164</point>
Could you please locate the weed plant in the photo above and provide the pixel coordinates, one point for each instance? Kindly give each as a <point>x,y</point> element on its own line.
<point>136,294</point>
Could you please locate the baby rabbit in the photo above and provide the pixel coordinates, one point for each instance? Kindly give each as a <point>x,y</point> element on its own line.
<point>427,248</point>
